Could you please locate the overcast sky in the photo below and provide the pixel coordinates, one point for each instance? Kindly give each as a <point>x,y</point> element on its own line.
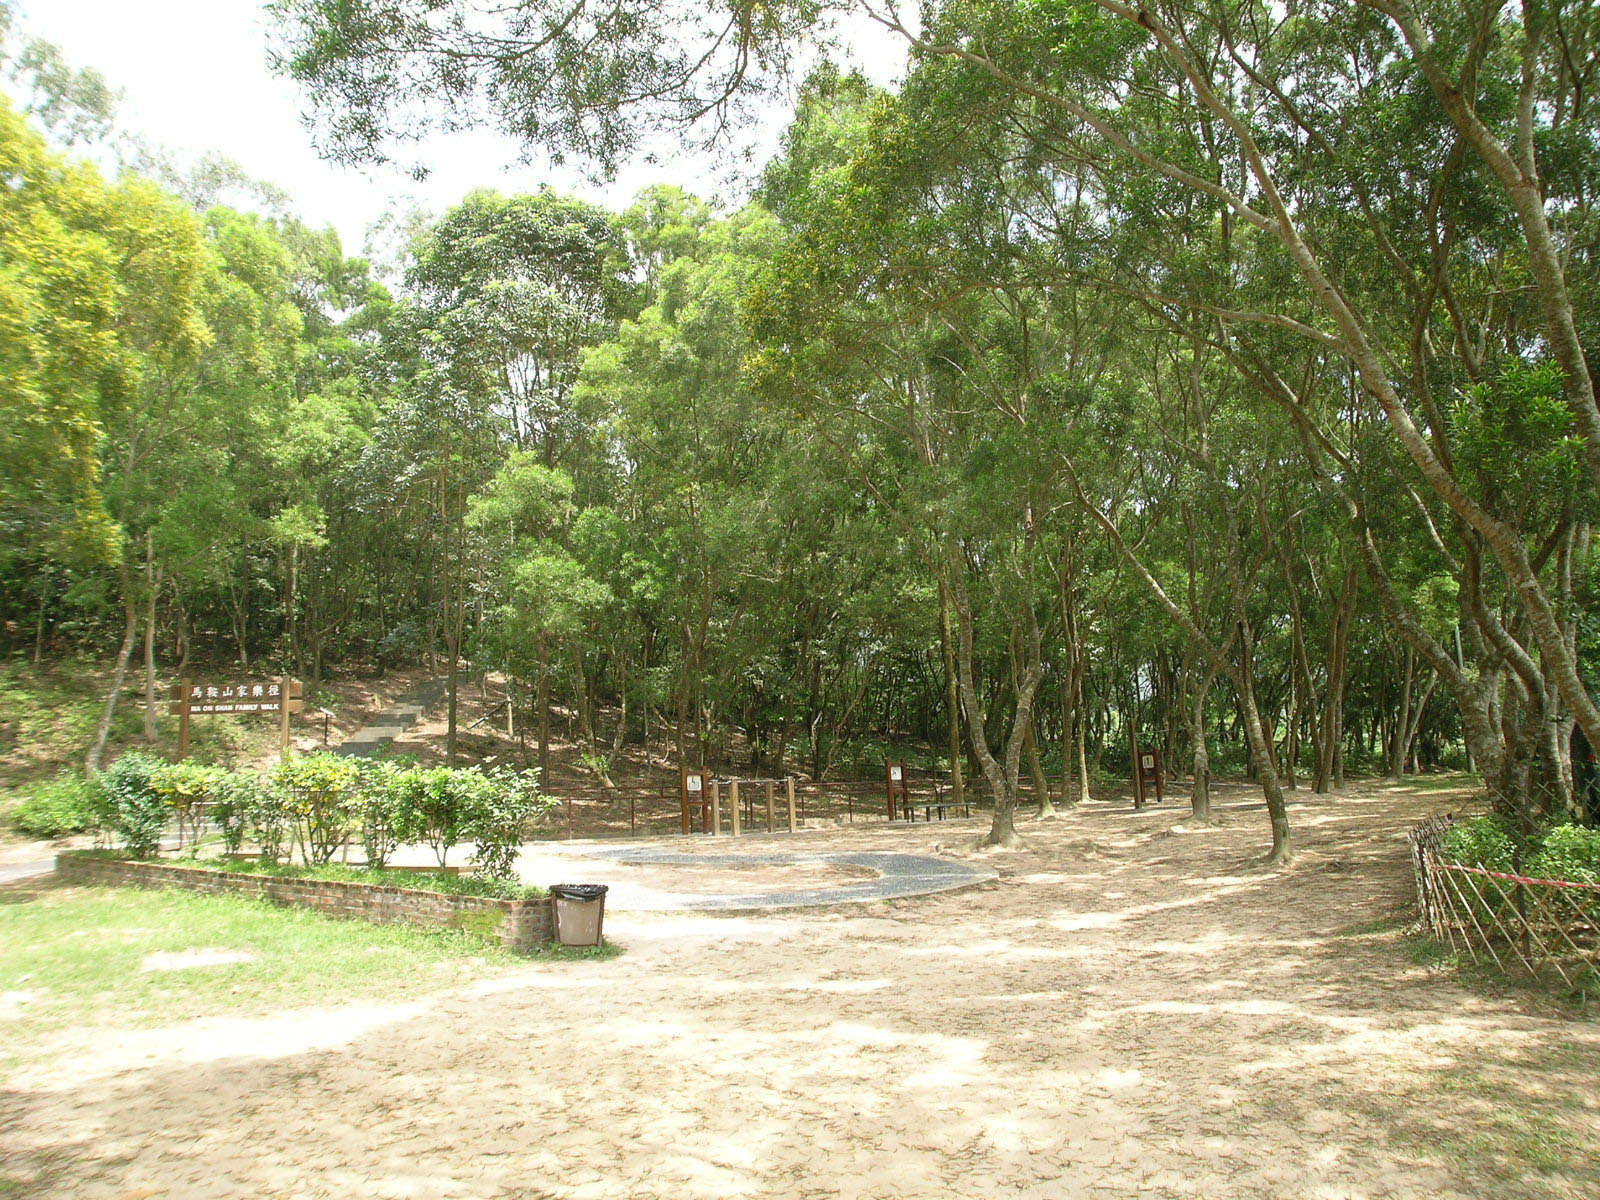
<point>194,78</point>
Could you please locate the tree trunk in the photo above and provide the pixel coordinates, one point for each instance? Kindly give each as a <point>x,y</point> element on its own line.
<point>1002,777</point>
<point>152,583</point>
<point>453,678</point>
<point>1398,741</point>
<point>1082,737</point>
<point>585,720</point>
<point>543,703</point>
<point>44,599</point>
<point>1200,795</point>
<point>291,600</point>
<point>119,676</point>
<point>958,789</point>
<point>1041,785</point>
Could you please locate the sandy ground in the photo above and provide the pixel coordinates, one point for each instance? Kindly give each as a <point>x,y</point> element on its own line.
<point>1134,1009</point>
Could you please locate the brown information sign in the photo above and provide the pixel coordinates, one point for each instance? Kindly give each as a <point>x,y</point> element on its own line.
<point>240,697</point>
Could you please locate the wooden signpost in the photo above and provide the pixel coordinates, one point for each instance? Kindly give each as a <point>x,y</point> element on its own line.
<point>281,696</point>
<point>692,797</point>
<point>896,785</point>
<point>1146,776</point>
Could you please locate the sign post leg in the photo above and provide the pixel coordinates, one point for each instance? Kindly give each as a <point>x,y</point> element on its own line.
<point>283,717</point>
<point>183,719</point>
<point>788,785</point>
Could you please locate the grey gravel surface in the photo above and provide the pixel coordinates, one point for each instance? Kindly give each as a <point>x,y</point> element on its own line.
<point>898,875</point>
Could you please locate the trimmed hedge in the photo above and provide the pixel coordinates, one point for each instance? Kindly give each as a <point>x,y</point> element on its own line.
<point>317,802</point>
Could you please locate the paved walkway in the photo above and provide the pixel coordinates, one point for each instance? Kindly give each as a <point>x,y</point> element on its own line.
<point>12,872</point>
<point>897,875</point>
<point>393,721</point>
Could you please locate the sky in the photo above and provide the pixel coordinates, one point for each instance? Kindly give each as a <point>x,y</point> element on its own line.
<point>194,78</point>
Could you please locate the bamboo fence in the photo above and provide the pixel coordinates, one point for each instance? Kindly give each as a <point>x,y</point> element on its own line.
<point>1545,928</point>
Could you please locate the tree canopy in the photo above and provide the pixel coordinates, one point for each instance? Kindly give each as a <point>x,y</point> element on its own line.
<point>1209,380</point>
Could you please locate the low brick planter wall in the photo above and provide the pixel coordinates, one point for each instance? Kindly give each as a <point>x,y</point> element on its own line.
<point>518,924</point>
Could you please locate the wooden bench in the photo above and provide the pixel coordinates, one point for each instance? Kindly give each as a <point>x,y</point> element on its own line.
<point>929,807</point>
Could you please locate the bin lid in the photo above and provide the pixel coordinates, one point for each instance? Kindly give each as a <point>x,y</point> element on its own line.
<point>578,891</point>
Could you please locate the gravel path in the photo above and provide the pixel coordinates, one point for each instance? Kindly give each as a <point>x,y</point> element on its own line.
<point>898,875</point>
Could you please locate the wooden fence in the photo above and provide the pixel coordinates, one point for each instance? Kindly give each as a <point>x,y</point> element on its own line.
<point>1546,928</point>
<point>655,811</point>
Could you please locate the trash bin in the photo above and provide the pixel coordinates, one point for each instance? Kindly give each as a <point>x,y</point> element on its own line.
<point>580,909</point>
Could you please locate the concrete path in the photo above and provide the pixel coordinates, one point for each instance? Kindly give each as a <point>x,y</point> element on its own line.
<point>393,721</point>
<point>897,875</point>
<point>12,872</point>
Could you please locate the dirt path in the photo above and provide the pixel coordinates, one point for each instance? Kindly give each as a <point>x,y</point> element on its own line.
<point>1129,1011</point>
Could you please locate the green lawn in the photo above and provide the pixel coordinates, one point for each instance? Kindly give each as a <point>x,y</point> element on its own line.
<point>96,958</point>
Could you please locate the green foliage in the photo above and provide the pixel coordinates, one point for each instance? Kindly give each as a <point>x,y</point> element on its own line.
<point>188,788</point>
<point>1480,842</point>
<point>1570,852</point>
<point>422,881</point>
<point>499,818</point>
<point>69,803</point>
<point>239,803</point>
<point>744,466</point>
<point>376,805</point>
<point>436,805</point>
<point>135,811</point>
<point>318,793</point>
<point>442,806</point>
<point>1567,852</point>
<point>1517,436</point>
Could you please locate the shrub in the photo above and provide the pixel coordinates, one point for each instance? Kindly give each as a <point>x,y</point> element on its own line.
<point>1570,852</point>
<point>188,788</point>
<point>377,807</point>
<point>318,792</point>
<point>498,817</point>
<point>435,805</point>
<point>1480,842</point>
<point>69,803</point>
<point>237,804</point>
<point>135,811</point>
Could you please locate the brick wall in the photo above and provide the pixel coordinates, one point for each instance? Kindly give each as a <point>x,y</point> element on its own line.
<point>517,924</point>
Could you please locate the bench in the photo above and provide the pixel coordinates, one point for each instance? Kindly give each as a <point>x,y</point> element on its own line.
<point>929,807</point>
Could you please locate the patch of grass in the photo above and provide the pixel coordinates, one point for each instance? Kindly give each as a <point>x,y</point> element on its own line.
<point>81,957</point>
<point>1519,1125</point>
<point>1459,781</point>
<point>1426,952</point>
<point>1532,995</point>
<point>560,953</point>
<point>424,881</point>
<point>1399,922</point>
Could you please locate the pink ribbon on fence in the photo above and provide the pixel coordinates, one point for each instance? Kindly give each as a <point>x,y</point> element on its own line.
<point>1523,879</point>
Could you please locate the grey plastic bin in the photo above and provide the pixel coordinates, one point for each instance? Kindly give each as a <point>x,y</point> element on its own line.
<point>580,910</point>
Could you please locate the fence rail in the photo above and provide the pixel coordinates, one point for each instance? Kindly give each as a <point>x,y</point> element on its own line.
<point>589,810</point>
<point>1545,928</point>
